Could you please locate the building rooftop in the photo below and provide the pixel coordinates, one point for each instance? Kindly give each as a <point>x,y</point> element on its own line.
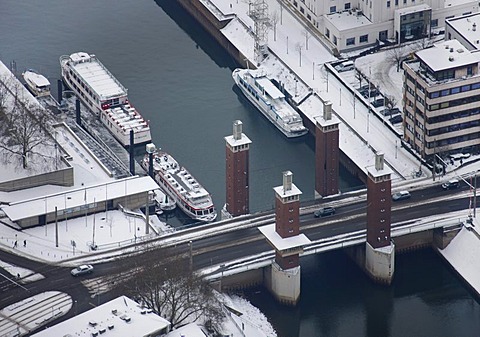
<point>447,55</point>
<point>348,20</point>
<point>121,317</point>
<point>412,9</point>
<point>464,25</point>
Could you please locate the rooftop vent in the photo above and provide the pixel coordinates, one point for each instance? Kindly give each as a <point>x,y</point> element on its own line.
<point>327,110</point>
<point>450,58</point>
<point>446,46</point>
<point>379,161</point>
<point>451,50</point>
<point>474,27</point>
<point>460,50</point>
<point>237,130</point>
<point>287,181</point>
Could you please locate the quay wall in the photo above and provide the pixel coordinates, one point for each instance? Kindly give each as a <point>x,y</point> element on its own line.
<point>213,25</point>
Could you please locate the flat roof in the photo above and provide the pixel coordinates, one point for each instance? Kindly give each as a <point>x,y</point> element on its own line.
<point>96,75</point>
<point>464,26</point>
<point>244,140</point>
<point>78,197</point>
<point>120,317</point>
<point>346,20</point>
<point>447,55</point>
<point>413,9</point>
<point>280,243</point>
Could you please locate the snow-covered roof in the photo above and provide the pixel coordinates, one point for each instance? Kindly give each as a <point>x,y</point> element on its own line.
<point>452,3</point>
<point>75,198</point>
<point>38,79</point>
<point>244,140</point>
<point>189,330</point>
<point>348,20</point>
<point>96,75</point>
<point>447,55</point>
<point>280,243</point>
<point>287,193</point>
<point>464,26</point>
<point>412,9</point>
<point>120,317</point>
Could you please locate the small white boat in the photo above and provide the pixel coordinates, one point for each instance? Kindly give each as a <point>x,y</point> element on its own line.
<point>271,102</point>
<point>163,201</point>
<point>38,84</point>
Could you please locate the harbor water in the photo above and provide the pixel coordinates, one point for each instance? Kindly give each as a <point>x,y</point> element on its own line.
<point>180,80</point>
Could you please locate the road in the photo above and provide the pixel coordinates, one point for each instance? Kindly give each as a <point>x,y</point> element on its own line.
<point>216,249</point>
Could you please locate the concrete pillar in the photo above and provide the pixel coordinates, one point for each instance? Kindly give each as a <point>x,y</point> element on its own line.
<point>285,284</point>
<point>380,263</point>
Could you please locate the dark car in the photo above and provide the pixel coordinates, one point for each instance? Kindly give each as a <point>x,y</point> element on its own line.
<point>396,119</point>
<point>378,102</point>
<point>324,211</point>
<point>451,184</point>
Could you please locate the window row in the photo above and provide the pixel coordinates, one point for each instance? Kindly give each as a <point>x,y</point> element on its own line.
<point>453,91</point>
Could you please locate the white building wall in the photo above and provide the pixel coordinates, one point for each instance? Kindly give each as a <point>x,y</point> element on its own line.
<point>380,262</point>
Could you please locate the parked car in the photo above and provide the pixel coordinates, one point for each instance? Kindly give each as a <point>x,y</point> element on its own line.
<point>396,119</point>
<point>451,184</point>
<point>324,211</point>
<point>345,66</point>
<point>81,270</point>
<point>378,102</point>
<point>402,195</point>
<point>390,112</point>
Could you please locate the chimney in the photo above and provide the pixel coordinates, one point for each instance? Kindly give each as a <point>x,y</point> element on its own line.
<point>474,27</point>
<point>379,161</point>
<point>287,181</point>
<point>237,130</point>
<point>327,110</point>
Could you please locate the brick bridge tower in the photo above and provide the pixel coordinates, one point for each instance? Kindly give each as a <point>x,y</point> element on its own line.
<point>237,192</point>
<point>285,237</point>
<point>326,153</point>
<point>380,250</point>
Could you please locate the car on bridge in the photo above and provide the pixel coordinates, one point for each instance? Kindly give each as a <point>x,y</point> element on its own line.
<point>81,270</point>
<point>451,184</point>
<point>402,195</point>
<point>325,211</point>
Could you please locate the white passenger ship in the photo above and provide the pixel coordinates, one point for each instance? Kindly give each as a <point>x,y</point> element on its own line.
<point>38,84</point>
<point>101,92</point>
<point>182,187</point>
<point>267,98</point>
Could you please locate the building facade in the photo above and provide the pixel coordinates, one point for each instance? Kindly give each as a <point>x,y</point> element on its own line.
<point>440,100</point>
<point>350,25</point>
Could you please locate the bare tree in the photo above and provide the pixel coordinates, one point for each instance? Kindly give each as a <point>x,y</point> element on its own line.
<point>24,129</point>
<point>273,22</point>
<point>175,293</point>
<point>5,81</point>
<point>359,76</point>
<point>390,102</point>
<point>395,56</point>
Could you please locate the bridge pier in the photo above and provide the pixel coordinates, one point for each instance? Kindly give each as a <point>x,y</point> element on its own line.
<point>380,263</point>
<point>285,284</point>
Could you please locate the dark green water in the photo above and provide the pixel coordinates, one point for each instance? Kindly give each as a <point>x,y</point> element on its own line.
<point>181,80</point>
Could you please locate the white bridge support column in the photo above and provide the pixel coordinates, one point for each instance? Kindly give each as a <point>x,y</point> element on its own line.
<point>380,263</point>
<point>285,284</point>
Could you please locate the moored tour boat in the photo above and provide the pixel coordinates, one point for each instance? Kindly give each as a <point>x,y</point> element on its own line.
<point>38,84</point>
<point>267,98</point>
<point>102,93</point>
<point>181,186</point>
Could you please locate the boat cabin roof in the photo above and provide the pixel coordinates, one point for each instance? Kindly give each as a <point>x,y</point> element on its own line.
<point>37,79</point>
<point>94,73</point>
<point>270,88</point>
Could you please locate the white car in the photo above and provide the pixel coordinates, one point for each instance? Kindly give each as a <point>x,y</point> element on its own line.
<point>83,269</point>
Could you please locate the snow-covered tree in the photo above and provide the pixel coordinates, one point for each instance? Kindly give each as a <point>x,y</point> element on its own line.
<point>23,128</point>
